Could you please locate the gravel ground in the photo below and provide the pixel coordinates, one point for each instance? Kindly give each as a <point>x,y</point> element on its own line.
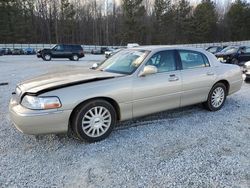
<point>188,147</point>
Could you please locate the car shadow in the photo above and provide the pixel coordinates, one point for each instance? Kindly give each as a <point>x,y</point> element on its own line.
<point>136,122</point>
<point>167,115</point>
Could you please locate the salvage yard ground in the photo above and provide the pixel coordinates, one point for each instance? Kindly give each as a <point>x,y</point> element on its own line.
<point>188,147</point>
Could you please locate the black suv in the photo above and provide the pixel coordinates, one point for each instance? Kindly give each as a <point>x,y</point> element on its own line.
<point>234,54</point>
<point>72,52</point>
<point>1,52</point>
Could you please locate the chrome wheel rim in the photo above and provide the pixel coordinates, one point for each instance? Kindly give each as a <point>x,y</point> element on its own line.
<point>96,121</point>
<point>218,96</point>
<point>47,57</point>
<point>75,57</point>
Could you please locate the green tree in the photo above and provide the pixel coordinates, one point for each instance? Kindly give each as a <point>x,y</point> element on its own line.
<point>133,13</point>
<point>68,21</point>
<point>204,22</point>
<point>238,19</point>
<point>181,22</point>
<point>161,20</point>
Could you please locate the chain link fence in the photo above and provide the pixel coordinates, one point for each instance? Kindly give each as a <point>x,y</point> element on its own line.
<point>89,48</point>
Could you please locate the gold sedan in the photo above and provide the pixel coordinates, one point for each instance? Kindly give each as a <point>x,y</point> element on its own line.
<point>134,82</point>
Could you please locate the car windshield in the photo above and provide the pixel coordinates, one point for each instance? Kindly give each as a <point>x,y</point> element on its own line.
<point>230,49</point>
<point>53,46</point>
<point>124,62</point>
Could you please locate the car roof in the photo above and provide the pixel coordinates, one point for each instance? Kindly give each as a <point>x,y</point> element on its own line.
<point>167,47</point>
<point>214,46</point>
<point>237,46</point>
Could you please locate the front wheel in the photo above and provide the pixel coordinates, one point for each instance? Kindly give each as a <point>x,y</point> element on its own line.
<point>216,97</point>
<point>235,61</point>
<point>46,57</point>
<point>94,121</point>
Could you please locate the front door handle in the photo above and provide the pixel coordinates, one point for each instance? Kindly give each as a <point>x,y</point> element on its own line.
<point>173,78</point>
<point>210,73</point>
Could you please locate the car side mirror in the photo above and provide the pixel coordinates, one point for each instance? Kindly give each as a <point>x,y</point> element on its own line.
<point>148,70</point>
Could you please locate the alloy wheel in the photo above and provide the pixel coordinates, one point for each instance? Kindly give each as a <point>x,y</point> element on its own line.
<point>218,97</point>
<point>75,57</point>
<point>96,121</point>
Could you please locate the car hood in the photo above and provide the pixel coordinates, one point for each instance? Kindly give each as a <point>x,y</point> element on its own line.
<point>57,80</point>
<point>44,49</point>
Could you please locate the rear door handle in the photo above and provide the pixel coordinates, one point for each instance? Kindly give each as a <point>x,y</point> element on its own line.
<point>173,78</point>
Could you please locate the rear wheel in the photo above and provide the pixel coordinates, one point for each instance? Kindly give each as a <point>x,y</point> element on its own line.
<point>216,97</point>
<point>46,57</point>
<point>235,61</point>
<point>94,121</point>
<point>75,57</point>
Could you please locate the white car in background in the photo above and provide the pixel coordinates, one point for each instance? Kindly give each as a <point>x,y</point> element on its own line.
<point>112,52</point>
<point>247,70</point>
<point>132,45</point>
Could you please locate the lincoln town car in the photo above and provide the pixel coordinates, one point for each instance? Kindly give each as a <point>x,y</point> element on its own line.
<point>132,83</point>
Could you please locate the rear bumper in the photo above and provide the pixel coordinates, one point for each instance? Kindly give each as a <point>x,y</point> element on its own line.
<point>39,121</point>
<point>247,76</point>
<point>235,86</point>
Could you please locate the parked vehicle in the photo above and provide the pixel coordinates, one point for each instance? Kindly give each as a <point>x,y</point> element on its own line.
<point>132,83</point>
<point>17,51</point>
<point>215,49</point>
<point>7,51</point>
<point>29,51</point>
<point>234,54</point>
<point>70,51</point>
<point>247,70</point>
<point>112,52</point>
<point>99,50</point>
<point>1,52</point>
<point>132,45</point>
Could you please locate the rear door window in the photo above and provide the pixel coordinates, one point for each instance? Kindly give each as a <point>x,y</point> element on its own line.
<point>67,47</point>
<point>192,59</point>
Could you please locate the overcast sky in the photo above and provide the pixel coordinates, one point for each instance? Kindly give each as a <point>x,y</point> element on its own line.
<point>220,2</point>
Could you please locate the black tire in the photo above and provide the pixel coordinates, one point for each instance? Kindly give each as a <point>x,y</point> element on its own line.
<point>46,57</point>
<point>82,111</point>
<point>208,104</point>
<point>235,61</point>
<point>75,57</point>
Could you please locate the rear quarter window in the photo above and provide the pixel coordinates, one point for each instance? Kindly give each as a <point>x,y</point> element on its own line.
<point>77,47</point>
<point>248,50</point>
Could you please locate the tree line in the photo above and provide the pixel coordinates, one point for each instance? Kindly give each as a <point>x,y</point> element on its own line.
<point>107,22</point>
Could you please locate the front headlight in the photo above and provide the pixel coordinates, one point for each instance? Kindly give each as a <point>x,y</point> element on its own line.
<point>41,103</point>
<point>247,65</point>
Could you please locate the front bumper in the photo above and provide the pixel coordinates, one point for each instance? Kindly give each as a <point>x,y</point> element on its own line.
<point>39,55</point>
<point>39,121</point>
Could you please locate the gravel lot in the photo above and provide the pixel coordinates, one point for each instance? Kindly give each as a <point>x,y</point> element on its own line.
<point>188,147</point>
